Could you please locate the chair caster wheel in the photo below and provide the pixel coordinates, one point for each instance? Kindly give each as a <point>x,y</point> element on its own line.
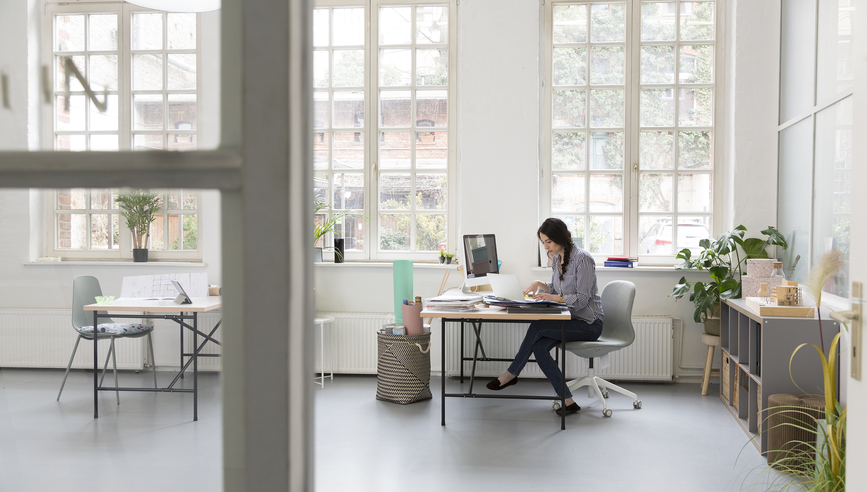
<point>556,405</point>
<point>607,412</point>
<point>605,393</point>
<point>636,404</point>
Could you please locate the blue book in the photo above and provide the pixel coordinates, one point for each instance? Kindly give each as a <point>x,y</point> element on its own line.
<point>620,264</point>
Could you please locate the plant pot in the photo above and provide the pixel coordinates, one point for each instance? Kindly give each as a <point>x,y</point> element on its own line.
<point>140,255</point>
<point>442,259</point>
<point>712,323</point>
<point>317,255</point>
<point>339,249</point>
<point>448,260</point>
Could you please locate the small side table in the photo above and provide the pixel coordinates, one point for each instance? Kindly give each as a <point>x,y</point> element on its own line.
<point>320,322</point>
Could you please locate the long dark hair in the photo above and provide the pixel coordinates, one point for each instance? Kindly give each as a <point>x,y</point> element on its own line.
<point>557,231</point>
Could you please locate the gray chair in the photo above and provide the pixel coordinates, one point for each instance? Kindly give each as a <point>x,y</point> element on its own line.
<point>617,333</point>
<point>85,289</point>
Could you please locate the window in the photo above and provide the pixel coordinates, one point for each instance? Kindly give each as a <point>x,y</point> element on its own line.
<point>815,135</point>
<point>389,174</point>
<point>143,65</point>
<point>626,164</point>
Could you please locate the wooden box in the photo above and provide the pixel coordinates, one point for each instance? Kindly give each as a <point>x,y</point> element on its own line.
<point>737,388</point>
<point>726,363</point>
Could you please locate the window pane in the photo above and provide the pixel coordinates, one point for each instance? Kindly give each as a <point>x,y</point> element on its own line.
<point>148,142</point>
<point>568,151</point>
<point>430,191</point>
<point>569,108</point>
<point>147,72</point>
<point>103,32</point>
<point>104,143</point>
<point>657,107</point>
<point>348,68</point>
<point>190,200</point>
<point>432,67</point>
<point>657,65</point>
<point>655,235</point>
<point>182,111</point>
<point>797,56</point>
<point>182,72</point>
<point>74,143</point>
<point>174,227</point>
<point>690,231</point>
<point>395,109</point>
<point>607,23</point>
<point>430,232</point>
<point>320,110</point>
<point>181,31</point>
<point>69,33</point>
<point>570,66</point>
<point>606,192</point>
<point>394,232</point>
<point>696,64</point>
<point>606,234</point>
<point>107,120</point>
<point>147,31</point>
<point>431,108</point>
<point>395,67</point>
<point>395,24</point>
<point>321,152</point>
<point>147,112</point>
<point>696,150</point>
<point>348,27</point>
<point>606,65</point>
<point>606,108</point>
<point>348,110</point>
<point>348,191</point>
<point>657,21</point>
<point>103,72</point>
<point>606,150</point>
<point>696,21</point>
<point>567,193</point>
<point>100,231</point>
<point>72,118</point>
<point>321,70</point>
<point>656,150</point>
<point>694,192</point>
<point>72,231</point>
<point>352,231</point>
<point>72,199</point>
<point>158,233</point>
<point>432,24</point>
<point>60,77</point>
<point>348,150</point>
<point>835,71</point>
<point>696,107</point>
<point>655,192</point>
<point>395,150</point>
<point>182,141</point>
<point>570,23</point>
<point>431,150</point>
<point>320,27</point>
<point>191,231</point>
<point>394,191</point>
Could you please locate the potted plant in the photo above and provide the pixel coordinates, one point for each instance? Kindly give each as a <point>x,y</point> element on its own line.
<point>449,257</point>
<point>139,208</point>
<point>723,258</point>
<point>442,255</point>
<point>327,225</point>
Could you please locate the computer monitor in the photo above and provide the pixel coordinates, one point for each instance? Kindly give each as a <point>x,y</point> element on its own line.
<point>480,259</point>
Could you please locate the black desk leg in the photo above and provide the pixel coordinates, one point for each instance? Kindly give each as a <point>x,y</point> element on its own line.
<point>563,372</point>
<point>95,385</point>
<point>462,352</point>
<point>196,366</point>
<point>182,345</point>
<point>443,370</point>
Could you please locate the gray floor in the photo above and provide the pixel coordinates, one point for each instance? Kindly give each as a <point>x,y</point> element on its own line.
<point>678,441</point>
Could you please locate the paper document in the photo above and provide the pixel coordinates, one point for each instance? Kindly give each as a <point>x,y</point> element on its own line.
<point>159,287</point>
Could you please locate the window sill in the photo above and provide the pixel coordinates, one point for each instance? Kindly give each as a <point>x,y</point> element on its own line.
<point>112,263</point>
<point>384,264</point>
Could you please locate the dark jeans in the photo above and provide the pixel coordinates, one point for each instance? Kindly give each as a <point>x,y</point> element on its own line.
<point>542,336</point>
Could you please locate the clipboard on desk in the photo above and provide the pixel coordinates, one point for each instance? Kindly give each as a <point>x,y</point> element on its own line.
<point>182,297</point>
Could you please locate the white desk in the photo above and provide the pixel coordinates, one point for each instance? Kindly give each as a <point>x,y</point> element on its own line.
<point>476,318</point>
<point>123,307</point>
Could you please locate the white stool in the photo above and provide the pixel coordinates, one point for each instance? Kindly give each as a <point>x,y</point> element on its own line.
<point>320,322</point>
<point>711,341</point>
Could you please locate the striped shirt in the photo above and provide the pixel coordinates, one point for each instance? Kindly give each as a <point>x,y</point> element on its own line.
<point>578,286</point>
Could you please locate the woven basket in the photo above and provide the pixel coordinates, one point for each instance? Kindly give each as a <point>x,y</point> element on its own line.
<point>792,430</point>
<point>403,368</point>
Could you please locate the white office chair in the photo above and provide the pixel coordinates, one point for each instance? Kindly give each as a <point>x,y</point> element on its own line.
<point>85,289</point>
<point>617,333</point>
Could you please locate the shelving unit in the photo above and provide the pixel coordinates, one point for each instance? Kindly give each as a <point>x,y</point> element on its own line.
<point>756,351</point>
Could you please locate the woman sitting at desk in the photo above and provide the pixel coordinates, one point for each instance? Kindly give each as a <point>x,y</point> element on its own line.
<point>573,282</point>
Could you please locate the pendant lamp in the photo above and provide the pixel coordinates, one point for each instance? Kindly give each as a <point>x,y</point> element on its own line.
<point>178,5</point>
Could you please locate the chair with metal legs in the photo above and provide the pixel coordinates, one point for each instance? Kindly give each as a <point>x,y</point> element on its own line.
<point>85,289</point>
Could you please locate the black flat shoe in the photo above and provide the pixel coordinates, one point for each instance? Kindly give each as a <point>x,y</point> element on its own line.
<point>573,408</point>
<point>494,385</point>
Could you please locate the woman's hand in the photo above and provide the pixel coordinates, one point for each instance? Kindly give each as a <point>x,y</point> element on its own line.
<point>537,285</point>
<point>546,297</point>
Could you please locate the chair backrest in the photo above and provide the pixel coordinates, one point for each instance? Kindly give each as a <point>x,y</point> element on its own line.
<point>617,299</point>
<point>85,288</point>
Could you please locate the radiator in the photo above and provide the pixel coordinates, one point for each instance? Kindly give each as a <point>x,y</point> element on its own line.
<point>44,338</point>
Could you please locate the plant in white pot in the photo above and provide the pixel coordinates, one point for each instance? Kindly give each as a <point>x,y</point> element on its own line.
<point>139,208</point>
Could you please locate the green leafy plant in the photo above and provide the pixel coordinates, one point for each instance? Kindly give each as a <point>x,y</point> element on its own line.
<point>139,208</point>
<point>329,224</point>
<point>724,258</point>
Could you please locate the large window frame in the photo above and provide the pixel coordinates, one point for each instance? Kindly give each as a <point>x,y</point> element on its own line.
<point>371,131</point>
<point>178,205</point>
<point>637,220</point>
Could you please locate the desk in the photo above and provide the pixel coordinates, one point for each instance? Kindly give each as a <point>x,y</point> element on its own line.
<point>150,309</point>
<point>476,318</point>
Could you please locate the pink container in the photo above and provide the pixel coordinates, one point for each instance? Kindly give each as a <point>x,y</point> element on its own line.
<point>412,319</point>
